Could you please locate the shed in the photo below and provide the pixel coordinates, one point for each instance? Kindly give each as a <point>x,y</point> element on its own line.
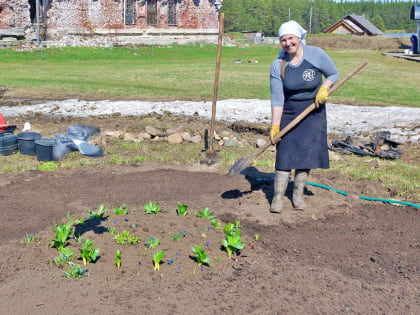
<point>254,36</point>
<point>354,24</point>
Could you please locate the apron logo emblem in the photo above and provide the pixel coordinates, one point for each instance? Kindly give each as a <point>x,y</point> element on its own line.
<point>308,75</point>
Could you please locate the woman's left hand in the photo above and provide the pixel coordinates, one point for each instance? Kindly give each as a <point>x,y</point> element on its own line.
<point>322,95</point>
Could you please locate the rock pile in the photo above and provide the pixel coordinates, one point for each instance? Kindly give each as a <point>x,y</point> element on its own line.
<point>175,136</point>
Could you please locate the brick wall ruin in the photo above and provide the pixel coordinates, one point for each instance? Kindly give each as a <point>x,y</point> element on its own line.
<point>107,17</point>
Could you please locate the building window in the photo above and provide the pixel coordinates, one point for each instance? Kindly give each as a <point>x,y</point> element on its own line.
<point>172,12</point>
<point>152,12</point>
<point>130,12</point>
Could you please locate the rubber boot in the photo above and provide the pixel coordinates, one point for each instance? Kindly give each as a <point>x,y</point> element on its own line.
<point>280,185</point>
<point>301,177</point>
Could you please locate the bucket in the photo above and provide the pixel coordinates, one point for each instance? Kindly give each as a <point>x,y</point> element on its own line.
<point>8,144</point>
<point>26,142</point>
<point>44,149</point>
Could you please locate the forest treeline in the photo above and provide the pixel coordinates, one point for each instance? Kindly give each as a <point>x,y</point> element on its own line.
<point>268,15</point>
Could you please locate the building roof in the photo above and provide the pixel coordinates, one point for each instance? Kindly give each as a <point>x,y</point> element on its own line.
<point>365,24</point>
<point>357,23</point>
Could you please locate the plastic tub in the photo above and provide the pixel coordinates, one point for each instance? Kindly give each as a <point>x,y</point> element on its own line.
<point>26,141</point>
<point>8,144</point>
<point>44,149</point>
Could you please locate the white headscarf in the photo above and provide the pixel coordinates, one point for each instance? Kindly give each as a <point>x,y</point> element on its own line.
<point>293,28</point>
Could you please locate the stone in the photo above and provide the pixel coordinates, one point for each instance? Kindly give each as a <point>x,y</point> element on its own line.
<point>216,136</point>
<point>156,139</point>
<point>129,137</point>
<point>147,136</point>
<point>260,142</point>
<point>231,142</point>
<point>225,133</point>
<point>113,134</point>
<point>175,138</point>
<point>195,139</point>
<point>153,131</point>
<point>171,131</point>
<point>186,136</point>
<point>140,137</point>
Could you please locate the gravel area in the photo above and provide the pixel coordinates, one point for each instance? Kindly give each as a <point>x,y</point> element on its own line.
<point>402,122</point>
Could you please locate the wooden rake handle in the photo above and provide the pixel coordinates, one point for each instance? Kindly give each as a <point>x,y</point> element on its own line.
<point>216,80</point>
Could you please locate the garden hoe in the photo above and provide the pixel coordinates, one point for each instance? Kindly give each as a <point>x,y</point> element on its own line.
<point>246,161</point>
<point>210,156</point>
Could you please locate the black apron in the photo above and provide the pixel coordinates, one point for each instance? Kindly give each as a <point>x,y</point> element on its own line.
<point>305,146</point>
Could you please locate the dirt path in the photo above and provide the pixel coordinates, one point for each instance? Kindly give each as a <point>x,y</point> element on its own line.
<point>341,255</point>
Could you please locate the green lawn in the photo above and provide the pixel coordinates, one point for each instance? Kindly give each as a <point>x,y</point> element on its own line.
<point>187,73</point>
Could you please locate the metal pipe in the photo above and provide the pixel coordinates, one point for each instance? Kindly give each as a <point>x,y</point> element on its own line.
<point>44,4</point>
<point>37,22</point>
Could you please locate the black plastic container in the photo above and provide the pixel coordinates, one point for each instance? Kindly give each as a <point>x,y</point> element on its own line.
<point>44,149</point>
<point>26,142</point>
<point>8,143</point>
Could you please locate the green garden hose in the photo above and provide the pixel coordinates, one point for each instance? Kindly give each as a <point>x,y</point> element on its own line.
<point>365,198</point>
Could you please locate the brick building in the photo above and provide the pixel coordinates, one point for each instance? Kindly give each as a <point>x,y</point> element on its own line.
<point>141,19</point>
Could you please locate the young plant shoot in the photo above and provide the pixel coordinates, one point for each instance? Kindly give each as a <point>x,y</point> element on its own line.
<point>182,209</point>
<point>62,233</point>
<point>118,258</point>
<point>207,214</point>
<point>98,215</point>
<point>200,255</point>
<point>178,235</point>
<point>121,210</point>
<point>215,223</point>
<point>89,253</point>
<point>232,242</point>
<point>126,238</point>
<point>66,255</point>
<point>75,271</point>
<point>157,257</point>
<point>152,242</point>
<point>152,208</point>
<point>111,230</point>
<point>30,238</point>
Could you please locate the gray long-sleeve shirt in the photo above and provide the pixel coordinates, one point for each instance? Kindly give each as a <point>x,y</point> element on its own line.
<point>302,80</point>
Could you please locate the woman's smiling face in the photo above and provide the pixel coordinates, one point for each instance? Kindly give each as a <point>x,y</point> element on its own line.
<point>290,43</point>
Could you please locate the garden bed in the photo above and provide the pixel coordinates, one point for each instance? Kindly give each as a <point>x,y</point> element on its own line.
<point>341,254</point>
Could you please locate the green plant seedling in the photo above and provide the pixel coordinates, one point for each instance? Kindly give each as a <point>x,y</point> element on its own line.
<point>89,253</point>
<point>121,210</point>
<point>118,258</point>
<point>232,242</point>
<point>78,238</point>
<point>152,242</point>
<point>62,233</point>
<point>157,257</point>
<point>66,255</point>
<point>182,209</point>
<point>200,255</point>
<point>75,271</point>
<point>111,230</point>
<point>30,238</point>
<point>152,208</point>
<point>126,238</point>
<point>257,236</point>
<point>215,223</point>
<point>98,215</point>
<point>178,235</point>
<point>206,214</point>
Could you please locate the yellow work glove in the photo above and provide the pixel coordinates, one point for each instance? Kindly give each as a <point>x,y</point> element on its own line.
<point>274,131</point>
<point>322,95</point>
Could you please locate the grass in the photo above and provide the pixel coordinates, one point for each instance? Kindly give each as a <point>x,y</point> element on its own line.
<point>187,73</point>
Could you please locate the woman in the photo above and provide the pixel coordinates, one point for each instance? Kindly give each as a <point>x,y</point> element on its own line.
<point>296,83</point>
